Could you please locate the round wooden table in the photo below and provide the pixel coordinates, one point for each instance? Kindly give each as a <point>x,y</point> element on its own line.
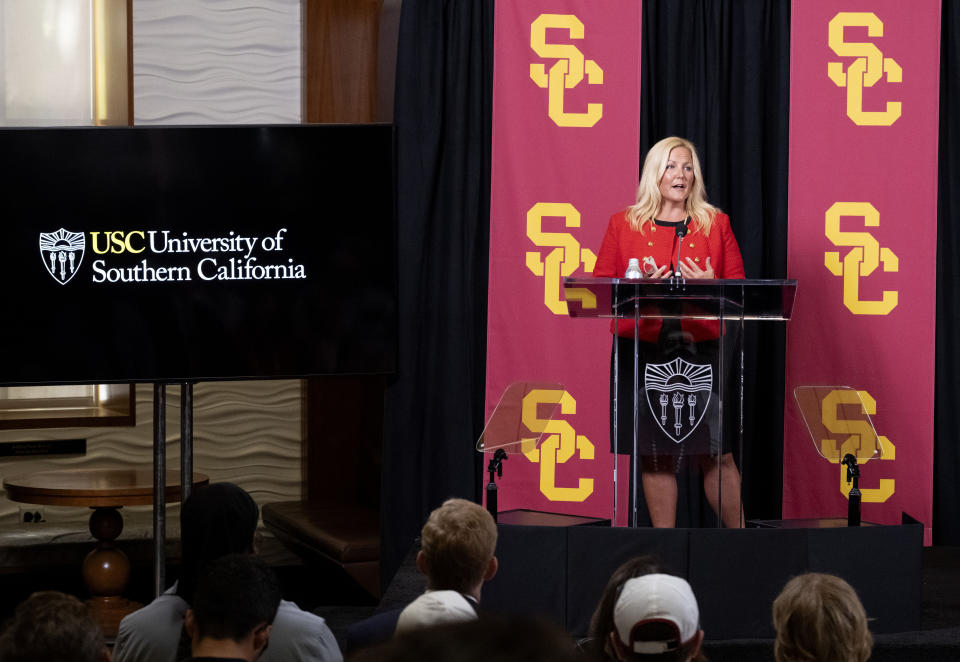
<point>106,569</point>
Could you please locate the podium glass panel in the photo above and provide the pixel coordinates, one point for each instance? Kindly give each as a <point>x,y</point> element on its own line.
<point>677,387</point>
<point>749,299</point>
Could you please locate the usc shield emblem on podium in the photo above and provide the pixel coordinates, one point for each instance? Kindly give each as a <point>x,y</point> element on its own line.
<point>678,393</point>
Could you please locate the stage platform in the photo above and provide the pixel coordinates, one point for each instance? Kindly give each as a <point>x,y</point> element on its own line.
<point>559,572</point>
<point>937,639</point>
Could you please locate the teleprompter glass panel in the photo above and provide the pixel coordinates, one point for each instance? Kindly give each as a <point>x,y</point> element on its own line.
<point>521,418</point>
<point>838,420</point>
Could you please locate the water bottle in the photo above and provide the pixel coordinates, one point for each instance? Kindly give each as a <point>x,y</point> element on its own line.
<point>633,269</point>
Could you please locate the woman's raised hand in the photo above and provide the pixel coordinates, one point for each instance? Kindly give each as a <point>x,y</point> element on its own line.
<point>690,269</point>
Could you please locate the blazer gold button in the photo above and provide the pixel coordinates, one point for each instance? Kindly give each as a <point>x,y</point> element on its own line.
<point>649,243</point>
<point>696,259</point>
<point>691,245</point>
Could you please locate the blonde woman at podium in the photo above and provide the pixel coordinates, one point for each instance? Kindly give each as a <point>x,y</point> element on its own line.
<point>673,230</point>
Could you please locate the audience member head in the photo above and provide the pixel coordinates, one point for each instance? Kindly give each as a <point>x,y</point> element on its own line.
<point>233,608</point>
<point>601,623</point>
<point>819,618</point>
<point>655,617</point>
<point>488,639</point>
<point>215,520</point>
<point>457,547</point>
<point>53,627</point>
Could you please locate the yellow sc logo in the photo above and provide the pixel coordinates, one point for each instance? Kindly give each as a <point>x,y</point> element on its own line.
<point>562,260</point>
<point>865,70</point>
<point>567,72</point>
<point>559,446</point>
<point>861,441</point>
<point>862,260</point>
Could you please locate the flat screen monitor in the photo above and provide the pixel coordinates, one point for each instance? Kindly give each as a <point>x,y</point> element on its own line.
<point>162,254</point>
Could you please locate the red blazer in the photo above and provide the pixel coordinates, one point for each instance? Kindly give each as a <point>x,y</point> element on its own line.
<point>621,242</point>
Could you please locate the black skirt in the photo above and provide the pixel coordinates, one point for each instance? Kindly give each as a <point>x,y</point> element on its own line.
<point>679,411</point>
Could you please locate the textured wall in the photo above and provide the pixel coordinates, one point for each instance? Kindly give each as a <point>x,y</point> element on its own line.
<point>244,432</point>
<point>216,62</point>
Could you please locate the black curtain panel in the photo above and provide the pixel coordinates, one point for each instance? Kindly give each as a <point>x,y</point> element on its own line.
<point>434,409</point>
<point>946,457</point>
<point>717,72</point>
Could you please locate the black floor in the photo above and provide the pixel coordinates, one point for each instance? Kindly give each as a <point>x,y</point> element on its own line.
<point>941,588</point>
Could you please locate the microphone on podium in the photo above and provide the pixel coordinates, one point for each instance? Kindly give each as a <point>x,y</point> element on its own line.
<point>681,231</point>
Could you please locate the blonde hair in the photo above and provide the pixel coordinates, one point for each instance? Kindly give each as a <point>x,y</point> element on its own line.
<point>819,618</point>
<point>642,214</point>
<point>458,541</point>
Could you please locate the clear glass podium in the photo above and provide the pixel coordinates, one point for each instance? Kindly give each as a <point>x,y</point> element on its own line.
<point>676,393</point>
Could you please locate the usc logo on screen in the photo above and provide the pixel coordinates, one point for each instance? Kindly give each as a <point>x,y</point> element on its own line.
<point>865,70</point>
<point>567,72</point>
<point>118,241</point>
<point>863,259</point>
<point>560,445</point>
<point>62,252</point>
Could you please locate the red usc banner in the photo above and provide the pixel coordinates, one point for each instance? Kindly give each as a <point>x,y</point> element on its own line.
<point>565,156</point>
<point>862,243</point>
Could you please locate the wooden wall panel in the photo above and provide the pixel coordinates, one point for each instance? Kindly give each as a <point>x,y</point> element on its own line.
<point>111,58</point>
<point>340,60</point>
<point>344,435</point>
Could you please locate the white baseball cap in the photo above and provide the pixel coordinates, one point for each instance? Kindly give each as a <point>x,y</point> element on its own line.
<point>656,598</point>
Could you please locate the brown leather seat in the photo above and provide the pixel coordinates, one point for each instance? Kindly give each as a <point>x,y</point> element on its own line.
<point>349,535</point>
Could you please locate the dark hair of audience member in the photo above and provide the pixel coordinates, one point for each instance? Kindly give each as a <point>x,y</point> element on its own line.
<point>215,520</point>
<point>819,618</point>
<point>237,593</point>
<point>52,627</point>
<point>601,623</point>
<point>488,639</point>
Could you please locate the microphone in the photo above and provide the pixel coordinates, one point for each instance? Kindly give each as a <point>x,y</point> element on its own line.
<point>681,231</point>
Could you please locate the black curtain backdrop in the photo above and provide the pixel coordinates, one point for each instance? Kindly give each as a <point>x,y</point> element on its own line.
<point>718,73</point>
<point>434,410</point>
<point>946,458</point>
<point>714,71</point>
